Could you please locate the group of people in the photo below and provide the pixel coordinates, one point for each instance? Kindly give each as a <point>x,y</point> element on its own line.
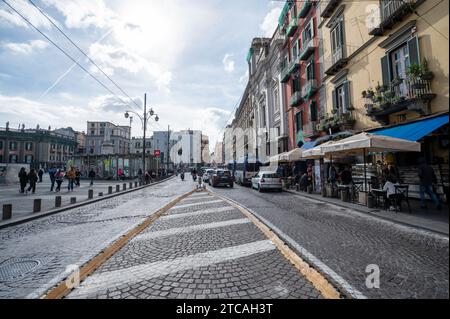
<point>57,176</point>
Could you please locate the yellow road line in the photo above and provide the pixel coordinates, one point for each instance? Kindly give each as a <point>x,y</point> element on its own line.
<point>61,290</point>
<point>327,290</point>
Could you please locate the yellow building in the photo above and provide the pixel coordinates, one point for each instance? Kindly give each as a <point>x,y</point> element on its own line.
<point>384,62</point>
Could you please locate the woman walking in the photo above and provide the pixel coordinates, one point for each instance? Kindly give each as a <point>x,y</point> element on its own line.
<point>59,177</point>
<point>71,176</point>
<point>23,179</point>
<point>32,179</point>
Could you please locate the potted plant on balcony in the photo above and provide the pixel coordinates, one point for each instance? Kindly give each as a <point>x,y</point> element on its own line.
<point>414,73</point>
<point>370,93</point>
<point>426,75</point>
<point>397,81</point>
<point>380,88</point>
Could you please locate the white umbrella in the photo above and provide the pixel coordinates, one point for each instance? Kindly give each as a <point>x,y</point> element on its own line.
<point>363,142</point>
<point>316,152</point>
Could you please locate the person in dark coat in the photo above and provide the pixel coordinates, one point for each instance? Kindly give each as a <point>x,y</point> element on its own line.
<point>40,174</point>
<point>427,178</point>
<point>77,177</point>
<point>92,176</point>
<point>23,179</point>
<point>52,175</point>
<point>32,179</point>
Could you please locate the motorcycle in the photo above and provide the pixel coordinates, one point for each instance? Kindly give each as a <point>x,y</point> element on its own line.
<point>182,176</point>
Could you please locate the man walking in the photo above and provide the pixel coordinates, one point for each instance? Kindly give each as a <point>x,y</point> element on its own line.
<point>32,179</point>
<point>427,178</point>
<point>40,174</point>
<point>23,179</point>
<point>52,175</point>
<point>71,175</point>
<point>92,176</point>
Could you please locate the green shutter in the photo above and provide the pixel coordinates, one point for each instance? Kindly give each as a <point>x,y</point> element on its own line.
<point>413,48</point>
<point>386,70</point>
<point>334,96</point>
<point>313,111</point>
<point>346,96</point>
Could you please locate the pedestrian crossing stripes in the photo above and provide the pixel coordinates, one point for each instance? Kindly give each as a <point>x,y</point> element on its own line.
<point>199,212</point>
<point>198,204</point>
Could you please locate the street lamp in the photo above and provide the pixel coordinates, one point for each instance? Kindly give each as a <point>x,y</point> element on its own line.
<point>144,119</point>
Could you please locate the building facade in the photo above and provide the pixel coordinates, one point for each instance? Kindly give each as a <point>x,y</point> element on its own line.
<point>301,70</point>
<point>104,138</point>
<point>36,147</point>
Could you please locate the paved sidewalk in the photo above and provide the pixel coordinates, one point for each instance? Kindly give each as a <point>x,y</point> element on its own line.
<point>203,248</point>
<point>430,219</point>
<point>22,204</point>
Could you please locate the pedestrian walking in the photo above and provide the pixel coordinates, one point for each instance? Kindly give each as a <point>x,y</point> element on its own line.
<point>427,178</point>
<point>59,177</point>
<point>140,174</point>
<point>92,176</point>
<point>147,177</point>
<point>77,177</point>
<point>71,176</point>
<point>40,174</point>
<point>52,175</point>
<point>23,179</point>
<point>32,179</point>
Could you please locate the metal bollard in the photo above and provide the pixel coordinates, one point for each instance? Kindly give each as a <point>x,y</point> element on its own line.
<point>110,190</point>
<point>131,185</point>
<point>91,194</point>
<point>117,188</point>
<point>37,205</point>
<point>58,201</point>
<point>7,211</point>
<point>135,184</point>
<point>100,194</point>
<point>73,200</point>
<point>124,187</point>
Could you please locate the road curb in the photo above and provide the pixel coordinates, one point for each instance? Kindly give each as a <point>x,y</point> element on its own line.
<point>394,221</point>
<point>26,219</point>
<point>346,290</point>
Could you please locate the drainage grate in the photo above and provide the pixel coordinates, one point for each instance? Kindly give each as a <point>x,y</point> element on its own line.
<point>16,268</point>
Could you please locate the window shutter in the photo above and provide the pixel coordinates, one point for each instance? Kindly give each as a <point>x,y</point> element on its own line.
<point>346,97</point>
<point>311,24</point>
<point>385,70</point>
<point>413,47</point>
<point>334,99</point>
<point>313,111</point>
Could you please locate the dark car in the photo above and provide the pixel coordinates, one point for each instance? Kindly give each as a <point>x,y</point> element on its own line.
<point>221,177</point>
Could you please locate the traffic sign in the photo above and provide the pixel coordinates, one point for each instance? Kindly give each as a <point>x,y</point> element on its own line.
<point>157,153</point>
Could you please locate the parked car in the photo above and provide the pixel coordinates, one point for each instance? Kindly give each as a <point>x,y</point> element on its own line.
<point>221,177</point>
<point>267,180</point>
<point>207,175</point>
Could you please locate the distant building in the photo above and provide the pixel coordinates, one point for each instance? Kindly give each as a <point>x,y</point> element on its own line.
<point>188,147</point>
<point>105,138</point>
<point>137,145</point>
<point>80,137</point>
<point>36,147</point>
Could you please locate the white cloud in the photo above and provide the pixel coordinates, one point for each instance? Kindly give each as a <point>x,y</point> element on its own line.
<point>270,22</point>
<point>84,13</point>
<point>26,48</point>
<point>228,63</point>
<point>8,18</point>
<point>113,58</point>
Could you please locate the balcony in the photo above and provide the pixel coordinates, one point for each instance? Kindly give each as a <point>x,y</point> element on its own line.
<point>336,61</point>
<point>412,94</point>
<point>285,75</point>
<point>309,89</point>
<point>308,48</point>
<point>391,12</point>
<point>329,9</point>
<point>295,65</point>
<point>292,27</point>
<point>305,9</point>
<point>296,99</point>
<point>310,129</point>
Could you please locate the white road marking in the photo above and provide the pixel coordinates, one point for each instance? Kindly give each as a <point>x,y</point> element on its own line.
<point>199,212</point>
<point>183,230</point>
<point>197,198</point>
<point>103,281</point>
<point>198,204</point>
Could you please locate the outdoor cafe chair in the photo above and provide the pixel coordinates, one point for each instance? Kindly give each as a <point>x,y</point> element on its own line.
<point>401,193</point>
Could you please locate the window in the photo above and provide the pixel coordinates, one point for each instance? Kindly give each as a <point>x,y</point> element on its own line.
<point>1,158</point>
<point>92,124</point>
<point>296,84</point>
<point>313,111</point>
<point>295,50</point>
<point>29,159</point>
<point>276,99</point>
<point>308,32</point>
<point>310,70</point>
<point>13,146</point>
<point>28,146</point>
<point>263,115</point>
<point>337,37</point>
<point>13,158</point>
<point>298,121</point>
<point>1,145</point>
<point>341,98</point>
<point>92,132</point>
<point>91,151</point>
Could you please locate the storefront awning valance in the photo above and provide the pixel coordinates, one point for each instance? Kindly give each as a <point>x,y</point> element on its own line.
<point>416,130</point>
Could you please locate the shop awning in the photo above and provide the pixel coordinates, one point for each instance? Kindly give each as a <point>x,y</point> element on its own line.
<point>416,130</point>
<point>308,145</point>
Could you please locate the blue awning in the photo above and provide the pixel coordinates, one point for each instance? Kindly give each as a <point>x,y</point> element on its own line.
<point>308,145</point>
<point>416,130</point>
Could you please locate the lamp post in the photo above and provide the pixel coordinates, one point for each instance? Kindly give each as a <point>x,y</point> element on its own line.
<point>144,119</point>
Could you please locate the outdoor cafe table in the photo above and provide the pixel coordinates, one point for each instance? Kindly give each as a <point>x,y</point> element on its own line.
<point>379,193</point>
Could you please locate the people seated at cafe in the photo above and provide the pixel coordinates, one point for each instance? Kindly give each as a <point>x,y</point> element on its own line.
<point>304,182</point>
<point>332,174</point>
<point>346,176</point>
<point>392,196</point>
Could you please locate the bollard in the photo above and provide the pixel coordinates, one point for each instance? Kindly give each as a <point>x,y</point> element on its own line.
<point>91,194</point>
<point>37,205</point>
<point>100,194</point>
<point>131,185</point>
<point>140,183</point>
<point>117,188</point>
<point>124,187</point>
<point>73,200</point>
<point>58,201</point>
<point>110,190</point>
<point>7,211</point>
<point>135,184</point>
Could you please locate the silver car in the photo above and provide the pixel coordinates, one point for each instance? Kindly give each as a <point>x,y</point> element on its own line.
<point>267,180</point>
<point>207,175</point>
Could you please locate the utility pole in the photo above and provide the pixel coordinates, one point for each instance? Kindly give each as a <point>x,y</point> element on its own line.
<point>168,147</point>
<point>143,140</point>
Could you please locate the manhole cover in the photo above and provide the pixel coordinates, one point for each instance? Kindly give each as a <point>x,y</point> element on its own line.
<point>14,269</point>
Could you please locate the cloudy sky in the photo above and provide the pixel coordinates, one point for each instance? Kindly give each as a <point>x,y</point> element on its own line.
<point>187,55</point>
